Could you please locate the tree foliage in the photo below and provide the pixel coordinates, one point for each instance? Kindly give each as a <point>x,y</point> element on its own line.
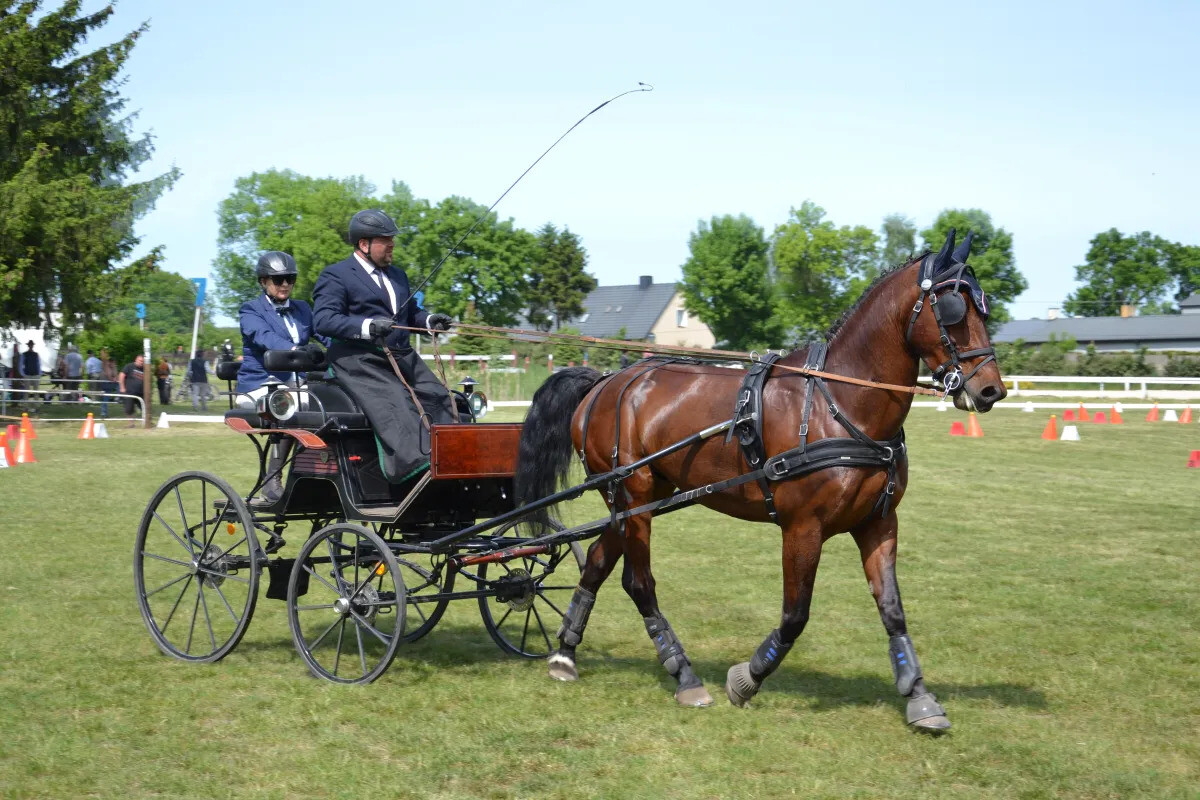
<point>282,210</point>
<point>558,281</point>
<point>991,256</point>
<point>726,285</point>
<point>1137,270</point>
<point>899,241</point>
<point>66,149</point>
<point>820,269</point>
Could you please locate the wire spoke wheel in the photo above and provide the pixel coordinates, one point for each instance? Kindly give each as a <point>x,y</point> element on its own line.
<point>425,577</point>
<point>196,567</point>
<point>346,604</point>
<point>529,595</point>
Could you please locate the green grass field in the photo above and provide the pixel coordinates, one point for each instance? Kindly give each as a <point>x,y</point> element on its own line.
<point>1051,591</point>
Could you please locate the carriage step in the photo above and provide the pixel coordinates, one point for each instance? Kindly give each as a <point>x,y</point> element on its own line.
<point>378,512</point>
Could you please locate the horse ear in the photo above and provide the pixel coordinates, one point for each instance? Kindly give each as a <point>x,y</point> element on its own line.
<point>963,251</point>
<point>940,261</point>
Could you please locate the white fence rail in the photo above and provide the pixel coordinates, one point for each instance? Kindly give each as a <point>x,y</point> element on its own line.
<point>1145,388</point>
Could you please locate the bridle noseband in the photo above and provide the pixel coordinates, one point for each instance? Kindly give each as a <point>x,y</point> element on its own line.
<point>950,308</point>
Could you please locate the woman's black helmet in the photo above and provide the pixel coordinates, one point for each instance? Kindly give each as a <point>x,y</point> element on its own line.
<point>369,224</point>
<point>275,262</point>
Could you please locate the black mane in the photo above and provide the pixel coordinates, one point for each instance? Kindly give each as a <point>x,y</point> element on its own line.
<point>836,327</point>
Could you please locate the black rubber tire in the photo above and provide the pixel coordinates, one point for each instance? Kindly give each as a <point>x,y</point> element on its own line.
<point>177,557</point>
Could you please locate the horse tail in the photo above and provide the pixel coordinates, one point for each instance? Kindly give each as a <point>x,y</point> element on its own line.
<point>544,454</point>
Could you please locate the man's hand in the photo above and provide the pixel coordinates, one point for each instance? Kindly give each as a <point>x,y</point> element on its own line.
<point>439,323</point>
<point>380,328</point>
<point>315,352</point>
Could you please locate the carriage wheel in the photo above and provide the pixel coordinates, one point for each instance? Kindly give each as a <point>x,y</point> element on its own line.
<point>530,597</point>
<point>423,579</point>
<point>346,604</point>
<point>194,567</point>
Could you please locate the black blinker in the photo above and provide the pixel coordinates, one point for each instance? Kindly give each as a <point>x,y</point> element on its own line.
<point>952,308</point>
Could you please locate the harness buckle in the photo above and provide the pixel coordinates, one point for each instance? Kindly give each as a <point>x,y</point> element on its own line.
<point>804,430</point>
<point>777,468</point>
<point>891,488</point>
<point>919,305</point>
<point>833,410</point>
<point>890,454</point>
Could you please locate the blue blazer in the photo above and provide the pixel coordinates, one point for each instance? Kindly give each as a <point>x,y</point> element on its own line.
<point>345,295</point>
<point>263,329</point>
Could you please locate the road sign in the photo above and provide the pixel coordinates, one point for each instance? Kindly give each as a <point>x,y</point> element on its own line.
<point>200,284</point>
<point>141,310</point>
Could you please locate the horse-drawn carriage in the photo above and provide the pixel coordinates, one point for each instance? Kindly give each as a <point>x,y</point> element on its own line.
<point>375,568</point>
<point>818,450</point>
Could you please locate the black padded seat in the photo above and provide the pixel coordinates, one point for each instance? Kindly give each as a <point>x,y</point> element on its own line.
<point>331,399</point>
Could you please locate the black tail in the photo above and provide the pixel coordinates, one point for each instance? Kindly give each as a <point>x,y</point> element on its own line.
<point>544,456</point>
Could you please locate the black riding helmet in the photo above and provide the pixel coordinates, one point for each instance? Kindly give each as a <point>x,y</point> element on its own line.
<point>275,262</point>
<point>371,223</point>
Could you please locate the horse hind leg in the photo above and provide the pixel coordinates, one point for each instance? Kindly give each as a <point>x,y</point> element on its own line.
<point>602,557</point>
<point>877,546</point>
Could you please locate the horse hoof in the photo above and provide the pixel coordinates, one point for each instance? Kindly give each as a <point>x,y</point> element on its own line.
<point>562,668</point>
<point>696,697</point>
<point>926,714</point>
<point>740,686</point>
<point>932,725</point>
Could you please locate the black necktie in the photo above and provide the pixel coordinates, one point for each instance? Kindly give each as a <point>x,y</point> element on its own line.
<point>284,309</point>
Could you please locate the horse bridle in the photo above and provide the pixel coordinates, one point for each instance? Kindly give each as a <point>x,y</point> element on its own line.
<point>948,309</point>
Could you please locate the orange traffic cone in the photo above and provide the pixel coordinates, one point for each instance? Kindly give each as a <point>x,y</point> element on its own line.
<point>6,458</point>
<point>1083,414</point>
<point>88,430</point>
<point>1194,459</point>
<point>27,426</point>
<point>1099,417</point>
<point>1186,416</point>
<point>957,429</point>
<point>1050,432</point>
<point>1116,417</point>
<point>25,450</point>
<point>1153,415</point>
<point>1069,415</point>
<point>13,433</point>
<point>973,429</point>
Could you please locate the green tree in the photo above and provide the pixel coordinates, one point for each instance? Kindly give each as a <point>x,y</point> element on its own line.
<point>170,301</point>
<point>282,210</point>
<point>66,149</point>
<point>1183,263</point>
<point>820,269</point>
<point>726,284</point>
<point>558,282</point>
<point>899,240</point>
<point>489,268</point>
<point>1121,270</point>
<point>991,256</point>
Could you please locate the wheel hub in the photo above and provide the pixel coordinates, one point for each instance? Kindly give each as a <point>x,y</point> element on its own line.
<point>212,560</point>
<point>516,589</point>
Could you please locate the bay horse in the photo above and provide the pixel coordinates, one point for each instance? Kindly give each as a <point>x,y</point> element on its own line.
<point>929,309</point>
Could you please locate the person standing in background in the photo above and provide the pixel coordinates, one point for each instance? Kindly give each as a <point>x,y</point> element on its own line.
<point>162,374</point>
<point>132,380</point>
<point>198,376</point>
<point>108,381</point>
<point>74,365</point>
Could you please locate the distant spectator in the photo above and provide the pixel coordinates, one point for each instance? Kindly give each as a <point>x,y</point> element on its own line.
<point>162,374</point>
<point>108,381</point>
<point>93,367</point>
<point>56,378</point>
<point>74,372</point>
<point>30,370</point>
<point>198,376</point>
<point>132,380</point>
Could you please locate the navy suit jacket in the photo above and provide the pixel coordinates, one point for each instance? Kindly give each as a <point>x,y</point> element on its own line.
<point>263,329</point>
<point>345,295</point>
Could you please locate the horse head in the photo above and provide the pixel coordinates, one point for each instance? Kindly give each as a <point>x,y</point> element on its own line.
<point>947,327</point>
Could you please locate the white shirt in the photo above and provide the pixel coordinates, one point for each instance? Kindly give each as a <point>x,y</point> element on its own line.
<point>387,284</point>
<point>288,322</point>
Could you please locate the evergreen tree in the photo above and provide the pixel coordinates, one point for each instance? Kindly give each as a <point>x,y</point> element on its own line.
<point>66,149</point>
<point>558,281</point>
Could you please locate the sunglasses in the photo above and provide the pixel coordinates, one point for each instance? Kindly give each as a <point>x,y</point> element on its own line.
<point>280,280</point>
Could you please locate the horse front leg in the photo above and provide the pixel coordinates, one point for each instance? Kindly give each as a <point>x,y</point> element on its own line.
<point>801,555</point>
<point>877,544</point>
<point>602,557</point>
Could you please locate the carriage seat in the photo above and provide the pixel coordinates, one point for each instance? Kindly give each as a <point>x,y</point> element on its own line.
<point>327,399</point>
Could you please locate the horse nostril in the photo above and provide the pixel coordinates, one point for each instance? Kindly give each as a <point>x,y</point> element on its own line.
<point>989,392</point>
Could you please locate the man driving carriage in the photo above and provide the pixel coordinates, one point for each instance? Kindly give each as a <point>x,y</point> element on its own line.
<point>357,302</point>
<point>272,321</point>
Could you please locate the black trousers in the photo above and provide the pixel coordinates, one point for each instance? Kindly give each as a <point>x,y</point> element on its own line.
<point>368,377</point>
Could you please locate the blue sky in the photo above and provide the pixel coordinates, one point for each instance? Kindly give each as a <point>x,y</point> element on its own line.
<point>1060,119</point>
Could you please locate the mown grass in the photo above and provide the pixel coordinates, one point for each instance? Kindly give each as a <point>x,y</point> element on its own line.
<point>1050,590</point>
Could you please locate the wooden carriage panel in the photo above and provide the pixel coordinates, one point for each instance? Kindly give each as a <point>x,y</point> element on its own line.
<point>481,450</point>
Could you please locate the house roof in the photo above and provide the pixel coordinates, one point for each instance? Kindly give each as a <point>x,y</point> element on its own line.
<point>1192,301</point>
<point>1163,327</point>
<point>633,307</point>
